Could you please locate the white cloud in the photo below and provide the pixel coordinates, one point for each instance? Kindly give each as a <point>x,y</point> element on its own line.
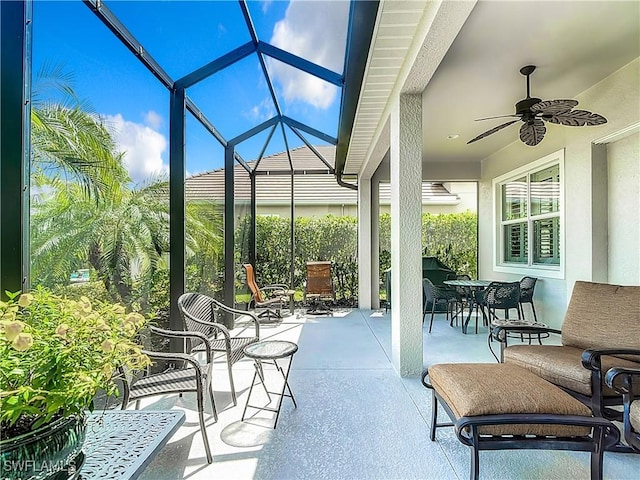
<point>317,32</point>
<point>265,5</point>
<point>262,111</point>
<point>143,147</point>
<point>153,119</point>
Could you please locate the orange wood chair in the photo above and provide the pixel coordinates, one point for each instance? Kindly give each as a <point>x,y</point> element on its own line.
<point>270,299</point>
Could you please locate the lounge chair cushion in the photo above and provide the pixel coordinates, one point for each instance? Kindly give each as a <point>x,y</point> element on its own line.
<point>477,389</point>
<point>562,365</point>
<point>603,316</point>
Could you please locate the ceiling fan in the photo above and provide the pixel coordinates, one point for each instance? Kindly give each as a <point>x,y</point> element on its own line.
<point>532,112</point>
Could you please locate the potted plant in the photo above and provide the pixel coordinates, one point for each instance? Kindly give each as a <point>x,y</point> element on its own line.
<point>55,355</point>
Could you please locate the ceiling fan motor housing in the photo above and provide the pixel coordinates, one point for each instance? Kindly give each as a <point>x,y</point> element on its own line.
<point>524,106</point>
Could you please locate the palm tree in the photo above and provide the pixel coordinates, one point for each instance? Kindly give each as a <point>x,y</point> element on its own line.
<point>124,236</point>
<point>68,140</point>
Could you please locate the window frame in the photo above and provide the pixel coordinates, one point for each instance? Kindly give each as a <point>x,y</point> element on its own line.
<point>540,270</point>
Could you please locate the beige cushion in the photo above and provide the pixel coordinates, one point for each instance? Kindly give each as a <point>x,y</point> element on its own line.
<point>563,365</point>
<point>477,389</point>
<point>602,316</point>
<point>635,415</point>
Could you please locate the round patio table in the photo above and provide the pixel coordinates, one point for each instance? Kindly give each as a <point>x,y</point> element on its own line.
<point>268,351</point>
<point>474,286</point>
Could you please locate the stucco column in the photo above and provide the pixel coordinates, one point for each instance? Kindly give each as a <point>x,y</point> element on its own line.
<point>406,259</point>
<point>375,243</point>
<point>364,243</point>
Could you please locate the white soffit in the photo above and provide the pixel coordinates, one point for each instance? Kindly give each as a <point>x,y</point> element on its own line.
<point>399,39</point>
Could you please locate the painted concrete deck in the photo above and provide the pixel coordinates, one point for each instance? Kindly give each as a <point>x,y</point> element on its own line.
<point>356,418</point>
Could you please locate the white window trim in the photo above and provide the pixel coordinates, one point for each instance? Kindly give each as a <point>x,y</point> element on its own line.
<point>533,270</point>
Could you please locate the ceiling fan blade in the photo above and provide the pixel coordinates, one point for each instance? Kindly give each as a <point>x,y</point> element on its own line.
<point>532,132</point>
<point>576,118</point>
<point>499,116</point>
<point>553,106</point>
<point>493,130</point>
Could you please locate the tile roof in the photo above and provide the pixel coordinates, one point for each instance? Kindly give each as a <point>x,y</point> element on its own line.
<point>273,182</point>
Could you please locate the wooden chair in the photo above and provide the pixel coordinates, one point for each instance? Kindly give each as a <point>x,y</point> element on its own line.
<point>319,287</point>
<point>269,299</point>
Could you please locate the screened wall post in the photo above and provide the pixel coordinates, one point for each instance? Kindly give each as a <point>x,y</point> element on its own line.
<point>229,228</point>
<point>15,129</point>
<point>293,232</point>
<point>253,222</point>
<point>177,128</point>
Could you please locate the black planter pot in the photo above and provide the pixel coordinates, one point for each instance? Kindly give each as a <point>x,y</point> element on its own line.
<point>51,452</point>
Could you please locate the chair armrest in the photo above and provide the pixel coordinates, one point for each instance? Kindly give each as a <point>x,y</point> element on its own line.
<point>176,357</point>
<point>220,306</point>
<point>591,357</point>
<point>523,328</point>
<point>185,334</point>
<point>625,374</point>
<point>276,289</point>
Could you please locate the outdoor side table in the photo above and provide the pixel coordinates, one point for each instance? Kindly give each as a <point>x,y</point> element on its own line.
<point>121,443</point>
<point>523,334</point>
<point>269,351</point>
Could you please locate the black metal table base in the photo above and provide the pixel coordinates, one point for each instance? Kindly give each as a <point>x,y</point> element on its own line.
<point>260,359</point>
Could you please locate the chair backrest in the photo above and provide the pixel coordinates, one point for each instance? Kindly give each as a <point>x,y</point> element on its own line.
<point>527,285</point>
<point>600,315</point>
<point>319,278</point>
<point>502,295</point>
<point>428,290</point>
<point>463,276</point>
<point>251,282</point>
<point>197,306</point>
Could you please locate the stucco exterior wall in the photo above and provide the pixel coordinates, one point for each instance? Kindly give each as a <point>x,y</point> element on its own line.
<point>617,98</point>
<point>623,160</point>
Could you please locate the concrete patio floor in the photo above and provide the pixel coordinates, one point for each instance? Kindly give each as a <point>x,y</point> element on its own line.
<point>356,418</point>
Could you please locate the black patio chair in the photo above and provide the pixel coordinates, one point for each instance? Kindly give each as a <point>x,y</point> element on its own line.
<point>434,295</point>
<point>173,373</point>
<point>203,314</point>
<point>527,285</point>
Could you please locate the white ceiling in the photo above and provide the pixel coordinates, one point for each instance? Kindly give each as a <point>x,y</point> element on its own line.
<point>574,45</point>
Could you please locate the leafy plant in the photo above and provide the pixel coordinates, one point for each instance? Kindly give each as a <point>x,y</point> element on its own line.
<point>56,353</point>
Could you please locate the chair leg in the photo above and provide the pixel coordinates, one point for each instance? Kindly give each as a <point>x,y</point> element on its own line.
<point>203,427</point>
<point>233,390</point>
<point>433,308</point>
<point>533,309</point>
<point>213,402</point>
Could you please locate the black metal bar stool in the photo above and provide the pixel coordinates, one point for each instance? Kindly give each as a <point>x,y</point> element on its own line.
<point>269,351</point>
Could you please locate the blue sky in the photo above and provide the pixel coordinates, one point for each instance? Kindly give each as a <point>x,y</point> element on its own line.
<point>182,36</point>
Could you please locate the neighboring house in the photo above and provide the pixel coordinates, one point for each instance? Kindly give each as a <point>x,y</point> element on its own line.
<point>316,194</point>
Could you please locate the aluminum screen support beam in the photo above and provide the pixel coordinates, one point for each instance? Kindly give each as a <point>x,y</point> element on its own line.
<point>216,65</point>
<point>229,229</point>
<point>311,131</point>
<point>300,63</point>
<point>15,128</point>
<point>254,131</point>
<point>252,224</point>
<point>125,36</point>
<point>177,128</point>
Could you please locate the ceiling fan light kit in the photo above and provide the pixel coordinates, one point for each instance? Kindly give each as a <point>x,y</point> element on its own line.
<point>533,112</point>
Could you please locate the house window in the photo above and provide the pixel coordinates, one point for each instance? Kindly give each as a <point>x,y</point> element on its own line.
<point>530,216</point>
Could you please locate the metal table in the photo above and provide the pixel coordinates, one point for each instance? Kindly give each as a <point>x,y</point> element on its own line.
<point>121,443</point>
<point>473,285</point>
<point>269,351</point>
